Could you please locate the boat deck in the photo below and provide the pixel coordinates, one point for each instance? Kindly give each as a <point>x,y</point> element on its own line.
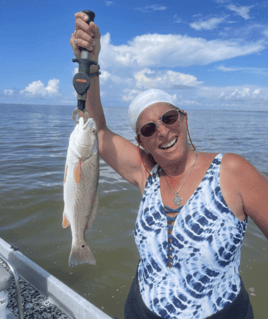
<point>34,303</point>
<point>43,295</point>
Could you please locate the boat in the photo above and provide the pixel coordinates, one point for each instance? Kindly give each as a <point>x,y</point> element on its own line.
<point>52,293</point>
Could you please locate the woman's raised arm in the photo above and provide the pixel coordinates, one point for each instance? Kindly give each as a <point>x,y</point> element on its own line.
<point>115,150</point>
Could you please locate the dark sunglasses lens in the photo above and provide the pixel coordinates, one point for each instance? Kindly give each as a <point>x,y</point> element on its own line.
<point>170,117</point>
<point>148,129</point>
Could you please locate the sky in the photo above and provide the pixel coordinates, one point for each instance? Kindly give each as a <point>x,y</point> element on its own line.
<point>209,54</point>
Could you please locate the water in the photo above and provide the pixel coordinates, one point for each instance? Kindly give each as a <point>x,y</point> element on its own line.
<point>33,145</point>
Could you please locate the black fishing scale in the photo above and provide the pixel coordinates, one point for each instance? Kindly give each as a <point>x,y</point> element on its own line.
<point>81,80</point>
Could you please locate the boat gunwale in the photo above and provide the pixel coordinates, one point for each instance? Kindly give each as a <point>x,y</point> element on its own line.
<point>71,302</point>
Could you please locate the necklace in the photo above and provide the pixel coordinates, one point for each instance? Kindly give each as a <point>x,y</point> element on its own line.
<point>177,199</point>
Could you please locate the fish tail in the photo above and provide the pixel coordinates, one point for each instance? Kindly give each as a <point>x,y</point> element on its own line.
<point>81,254</point>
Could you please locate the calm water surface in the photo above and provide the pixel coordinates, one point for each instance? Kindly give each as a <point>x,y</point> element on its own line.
<point>33,145</point>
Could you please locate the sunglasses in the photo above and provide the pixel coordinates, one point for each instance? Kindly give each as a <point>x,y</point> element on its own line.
<point>168,118</point>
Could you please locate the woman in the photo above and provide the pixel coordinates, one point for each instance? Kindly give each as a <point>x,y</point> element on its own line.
<point>194,210</point>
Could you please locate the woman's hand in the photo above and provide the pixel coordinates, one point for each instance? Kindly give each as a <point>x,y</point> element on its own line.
<point>85,36</point>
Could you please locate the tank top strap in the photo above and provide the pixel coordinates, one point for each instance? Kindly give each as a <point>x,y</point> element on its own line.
<point>154,169</point>
<point>217,159</point>
<point>215,166</point>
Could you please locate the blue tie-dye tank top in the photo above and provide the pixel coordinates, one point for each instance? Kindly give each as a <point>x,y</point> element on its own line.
<point>205,247</point>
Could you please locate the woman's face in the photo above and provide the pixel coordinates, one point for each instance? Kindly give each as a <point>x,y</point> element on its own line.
<point>159,143</point>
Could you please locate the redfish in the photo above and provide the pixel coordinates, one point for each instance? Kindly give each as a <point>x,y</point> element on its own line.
<point>80,189</point>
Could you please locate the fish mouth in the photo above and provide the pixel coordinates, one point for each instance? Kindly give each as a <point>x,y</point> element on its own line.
<point>169,145</point>
<point>90,124</point>
<point>84,126</point>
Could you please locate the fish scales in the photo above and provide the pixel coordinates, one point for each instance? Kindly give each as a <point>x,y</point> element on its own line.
<point>80,189</point>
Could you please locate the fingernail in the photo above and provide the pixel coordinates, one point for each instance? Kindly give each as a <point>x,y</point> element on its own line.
<point>90,48</point>
<point>85,18</point>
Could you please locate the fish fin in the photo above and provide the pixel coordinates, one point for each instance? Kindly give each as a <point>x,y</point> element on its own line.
<point>65,222</point>
<point>93,213</point>
<point>78,172</point>
<point>65,173</point>
<point>81,254</point>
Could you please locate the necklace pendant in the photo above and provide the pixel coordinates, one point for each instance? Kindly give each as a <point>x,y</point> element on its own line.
<point>177,200</point>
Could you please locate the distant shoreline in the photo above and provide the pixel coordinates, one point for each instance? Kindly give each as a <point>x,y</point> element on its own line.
<point>124,107</point>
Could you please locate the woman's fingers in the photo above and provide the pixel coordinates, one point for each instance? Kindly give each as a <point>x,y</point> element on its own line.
<point>95,30</point>
<point>84,39</point>
<point>85,35</point>
<point>75,47</point>
<point>82,25</point>
<point>81,15</point>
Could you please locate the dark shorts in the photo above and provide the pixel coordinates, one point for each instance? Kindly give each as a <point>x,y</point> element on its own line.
<point>135,308</point>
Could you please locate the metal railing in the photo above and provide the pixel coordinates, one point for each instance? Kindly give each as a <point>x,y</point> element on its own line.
<point>16,278</point>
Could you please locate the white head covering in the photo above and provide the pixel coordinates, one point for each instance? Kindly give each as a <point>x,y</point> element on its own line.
<point>144,100</point>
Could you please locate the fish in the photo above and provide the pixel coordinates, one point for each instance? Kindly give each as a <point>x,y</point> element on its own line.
<point>80,185</point>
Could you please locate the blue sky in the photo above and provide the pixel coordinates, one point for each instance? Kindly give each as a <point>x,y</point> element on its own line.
<point>209,54</point>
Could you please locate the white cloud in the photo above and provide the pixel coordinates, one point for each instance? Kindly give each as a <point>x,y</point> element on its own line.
<point>248,93</point>
<point>225,69</point>
<point>263,71</point>
<point>37,88</point>
<point>130,85</point>
<point>265,32</point>
<point>129,94</point>
<point>9,92</point>
<point>246,32</point>
<point>240,94</point>
<point>182,103</point>
<point>177,19</point>
<point>130,68</point>
<point>256,93</point>
<point>105,76</point>
<point>243,11</point>
<point>209,24</point>
<point>154,50</point>
<point>154,7</point>
<point>147,78</point>
<point>108,3</point>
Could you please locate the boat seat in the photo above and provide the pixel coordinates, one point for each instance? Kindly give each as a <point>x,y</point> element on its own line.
<point>5,279</point>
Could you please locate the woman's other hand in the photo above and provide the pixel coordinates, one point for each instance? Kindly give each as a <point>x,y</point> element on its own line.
<point>85,36</point>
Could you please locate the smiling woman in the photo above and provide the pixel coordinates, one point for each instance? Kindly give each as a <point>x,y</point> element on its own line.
<point>194,209</point>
